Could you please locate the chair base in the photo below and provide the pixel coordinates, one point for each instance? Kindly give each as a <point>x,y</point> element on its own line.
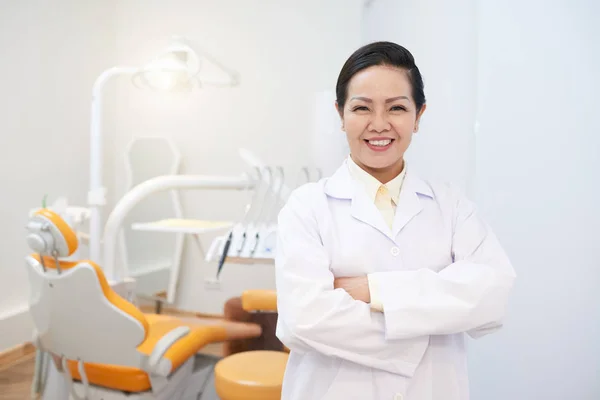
<point>187,383</point>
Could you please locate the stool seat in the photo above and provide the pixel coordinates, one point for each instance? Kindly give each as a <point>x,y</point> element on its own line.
<point>251,375</point>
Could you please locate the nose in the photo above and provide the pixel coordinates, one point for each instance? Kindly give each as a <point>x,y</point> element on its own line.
<point>379,123</point>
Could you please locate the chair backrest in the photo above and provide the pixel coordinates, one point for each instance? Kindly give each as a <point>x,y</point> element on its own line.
<point>75,312</point>
<point>259,300</point>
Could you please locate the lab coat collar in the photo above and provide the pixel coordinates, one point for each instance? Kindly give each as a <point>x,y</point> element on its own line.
<point>342,186</point>
<point>371,183</point>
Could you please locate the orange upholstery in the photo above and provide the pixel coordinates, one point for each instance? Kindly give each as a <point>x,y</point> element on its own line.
<point>66,231</point>
<point>49,262</point>
<point>251,375</point>
<point>184,348</point>
<point>136,380</point>
<point>259,300</point>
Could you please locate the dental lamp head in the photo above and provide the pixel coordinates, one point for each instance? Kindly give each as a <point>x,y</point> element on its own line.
<point>174,68</point>
<point>179,67</point>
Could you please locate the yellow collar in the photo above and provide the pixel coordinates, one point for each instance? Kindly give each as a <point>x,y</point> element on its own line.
<point>371,184</point>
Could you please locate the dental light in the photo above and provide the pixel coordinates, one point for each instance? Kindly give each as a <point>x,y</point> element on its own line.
<point>177,67</point>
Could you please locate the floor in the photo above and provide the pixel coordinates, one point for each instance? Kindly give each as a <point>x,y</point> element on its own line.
<point>16,378</point>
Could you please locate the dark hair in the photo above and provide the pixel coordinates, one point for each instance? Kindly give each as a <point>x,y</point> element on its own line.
<point>380,53</point>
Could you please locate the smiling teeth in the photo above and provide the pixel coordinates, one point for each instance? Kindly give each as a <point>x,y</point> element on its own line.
<point>381,143</point>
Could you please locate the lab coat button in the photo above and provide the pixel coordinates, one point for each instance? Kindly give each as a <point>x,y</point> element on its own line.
<point>395,251</point>
<point>398,396</point>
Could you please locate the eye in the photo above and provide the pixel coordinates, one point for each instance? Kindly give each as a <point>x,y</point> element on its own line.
<point>360,108</point>
<point>398,108</point>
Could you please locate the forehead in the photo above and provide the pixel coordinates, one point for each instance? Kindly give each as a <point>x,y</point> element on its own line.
<point>380,80</point>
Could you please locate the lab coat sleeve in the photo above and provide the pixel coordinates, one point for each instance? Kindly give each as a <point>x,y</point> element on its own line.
<point>470,295</point>
<point>315,317</point>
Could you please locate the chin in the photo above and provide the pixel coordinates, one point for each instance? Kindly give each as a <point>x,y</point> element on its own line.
<point>380,163</point>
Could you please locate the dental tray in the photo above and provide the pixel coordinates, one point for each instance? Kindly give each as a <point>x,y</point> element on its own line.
<point>174,225</point>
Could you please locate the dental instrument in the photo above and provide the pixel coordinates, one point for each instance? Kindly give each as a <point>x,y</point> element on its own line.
<point>262,210</point>
<point>278,200</point>
<point>269,239</point>
<point>224,254</point>
<point>249,206</point>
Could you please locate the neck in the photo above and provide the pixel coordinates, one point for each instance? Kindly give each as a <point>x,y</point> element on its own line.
<point>386,174</point>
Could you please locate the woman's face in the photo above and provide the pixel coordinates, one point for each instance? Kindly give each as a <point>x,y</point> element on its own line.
<point>379,119</point>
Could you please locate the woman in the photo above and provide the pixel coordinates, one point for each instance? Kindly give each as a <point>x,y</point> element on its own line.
<point>379,273</point>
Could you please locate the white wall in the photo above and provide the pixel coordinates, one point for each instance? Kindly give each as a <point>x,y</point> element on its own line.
<point>51,53</point>
<point>284,51</point>
<point>531,167</point>
<point>537,182</point>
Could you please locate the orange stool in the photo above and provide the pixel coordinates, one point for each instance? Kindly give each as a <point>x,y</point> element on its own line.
<point>251,375</point>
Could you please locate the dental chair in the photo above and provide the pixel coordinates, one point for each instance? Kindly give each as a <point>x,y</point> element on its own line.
<point>257,374</point>
<point>103,345</point>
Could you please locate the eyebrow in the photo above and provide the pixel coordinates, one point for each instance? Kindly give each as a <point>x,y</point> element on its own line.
<point>366,99</point>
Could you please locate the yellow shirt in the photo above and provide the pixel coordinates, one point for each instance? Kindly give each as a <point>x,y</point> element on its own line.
<point>373,186</point>
<point>378,193</point>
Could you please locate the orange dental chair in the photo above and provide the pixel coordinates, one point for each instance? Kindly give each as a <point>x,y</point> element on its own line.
<point>103,345</point>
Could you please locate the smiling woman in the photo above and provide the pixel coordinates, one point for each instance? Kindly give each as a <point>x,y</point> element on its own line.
<point>380,274</point>
<point>380,99</point>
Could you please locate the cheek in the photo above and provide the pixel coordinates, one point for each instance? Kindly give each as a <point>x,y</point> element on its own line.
<point>404,125</point>
<point>355,125</point>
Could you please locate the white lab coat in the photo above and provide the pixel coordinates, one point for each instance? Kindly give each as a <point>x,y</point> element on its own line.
<point>441,273</point>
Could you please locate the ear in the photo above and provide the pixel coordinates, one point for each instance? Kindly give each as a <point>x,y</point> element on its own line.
<point>340,113</point>
<point>418,119</point>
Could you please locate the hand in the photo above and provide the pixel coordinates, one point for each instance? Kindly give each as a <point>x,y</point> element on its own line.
<point>357,287</point>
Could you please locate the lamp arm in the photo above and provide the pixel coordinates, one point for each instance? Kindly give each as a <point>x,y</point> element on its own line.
<point>147,188</point>
<point>97,192</point>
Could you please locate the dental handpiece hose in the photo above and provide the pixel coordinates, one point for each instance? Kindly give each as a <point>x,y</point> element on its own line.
<point>224,255</point>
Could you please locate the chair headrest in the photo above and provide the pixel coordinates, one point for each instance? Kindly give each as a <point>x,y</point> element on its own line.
<point>49,234</point>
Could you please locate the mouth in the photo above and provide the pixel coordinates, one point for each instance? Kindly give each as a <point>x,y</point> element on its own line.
<point>379,144</point>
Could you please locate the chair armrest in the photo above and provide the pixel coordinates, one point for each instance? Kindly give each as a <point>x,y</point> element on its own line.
<point>259,300</point>
<point>161,348</point>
